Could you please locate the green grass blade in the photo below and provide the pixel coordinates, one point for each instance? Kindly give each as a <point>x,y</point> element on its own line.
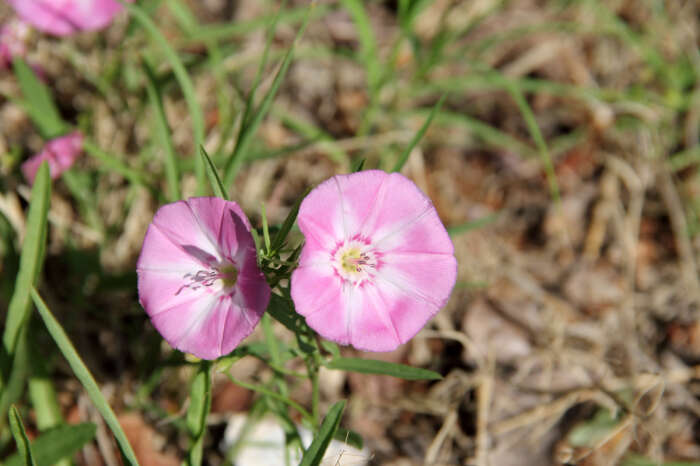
<point>248,128</point>
<point>38,101</point>
<point>419,135</point>
<point>536,135</point>
<point>314,454</point>
<point>59,442</point>
<point>216,186</point>
<point>84,376</point>
<point>288,223</point>
<point>197,412</point>
<point>472,224</point>
<point>30,260</point>
<point>182,78</point>
<point>21,438</point>
<point>112,163</point>
<point>374,366</point>
<point>163,133</point>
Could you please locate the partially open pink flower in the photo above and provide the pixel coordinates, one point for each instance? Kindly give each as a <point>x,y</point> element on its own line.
<point>377,263</point>
<point>61,153</point>
<point>65,17</point>
<point>13,41</point>
<point>198,278</point>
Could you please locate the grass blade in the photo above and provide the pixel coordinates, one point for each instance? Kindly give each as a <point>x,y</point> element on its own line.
<point>374,366</point>
<point>183,79</point>
<point>248,128</point>
<point>112,163</point>
<point>84,376</point>
<point>21,438</point>
<point>472,224</point>
<point>288,223</point>
<point>30,260</point>
<point>38,101</point>
<point>163,132</point>
<point>314,454</point>
<point>216,186</point>
<point>419,135</point>
<point>59,442</point>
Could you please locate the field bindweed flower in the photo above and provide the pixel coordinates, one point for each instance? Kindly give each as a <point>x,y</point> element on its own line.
<point>198,278</point>
<point>60,153</point>
<point>377,263</point>
<point>13,41</point>
<point>66,17</point>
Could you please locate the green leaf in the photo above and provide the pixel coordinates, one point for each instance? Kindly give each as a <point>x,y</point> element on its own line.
<point>183,79</point>
<point>216,186</point>
<point>350,437</point>
<point>84,376</point>
<point>253,118</point>
<point>373,366</point>
<point>639,460</point>
<point>472,224</point>
<point>358,165</point>
<point>20,436</point>
<point>163,132</point>
<point>314,454</point>
<point>56,443</point>
<point>288,223</point>
<point>280,309</point>
<point>419,135</point>
<point>38,101</point>
<point>200,404</point>
<point>30,260</point>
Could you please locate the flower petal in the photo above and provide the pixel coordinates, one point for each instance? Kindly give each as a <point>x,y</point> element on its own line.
<point>65,17</point>
<point>181,225</point>
<point>321,215</point>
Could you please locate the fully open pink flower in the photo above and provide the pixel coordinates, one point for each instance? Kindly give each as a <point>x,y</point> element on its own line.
<point>377,263</point>
<point>65,17</point>
<point>198,278</point>
<point>61,153</point>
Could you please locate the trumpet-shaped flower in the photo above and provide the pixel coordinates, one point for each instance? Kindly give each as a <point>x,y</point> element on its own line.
<point>377,263</point>
<point>60,153</point>
<point>66,17</point>
<point>198,278</point>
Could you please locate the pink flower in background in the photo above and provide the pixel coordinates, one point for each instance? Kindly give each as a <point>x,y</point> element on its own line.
<point>198,278</point>
<point>377,263</point>
<point>13,40</point>
<point>65,17</point>
<point>60,153</point>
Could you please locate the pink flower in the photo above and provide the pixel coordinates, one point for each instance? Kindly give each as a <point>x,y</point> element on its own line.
<point>60,153</point>
<point>377,263</point>
<point>13,41</point>
<point>198,278</point>
<point>65,17</point>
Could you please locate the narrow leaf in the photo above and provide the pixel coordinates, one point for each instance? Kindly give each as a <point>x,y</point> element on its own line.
<point>164,137</point>
<point>249,128</point>
<point>56,443</point>
<point>419,135</point>
<point>314,454</point>
<point>31,258</point>
<point>472,224</point>
<point>183,79</point>
<point>21,438</point>
<point>216,186</point>
<point>288,223</point>
<point>84,376</point>
<point>374,366</point>
<point>38,101</point>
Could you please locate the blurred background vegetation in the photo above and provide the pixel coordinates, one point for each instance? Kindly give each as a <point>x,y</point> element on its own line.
<point>563,156</point>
